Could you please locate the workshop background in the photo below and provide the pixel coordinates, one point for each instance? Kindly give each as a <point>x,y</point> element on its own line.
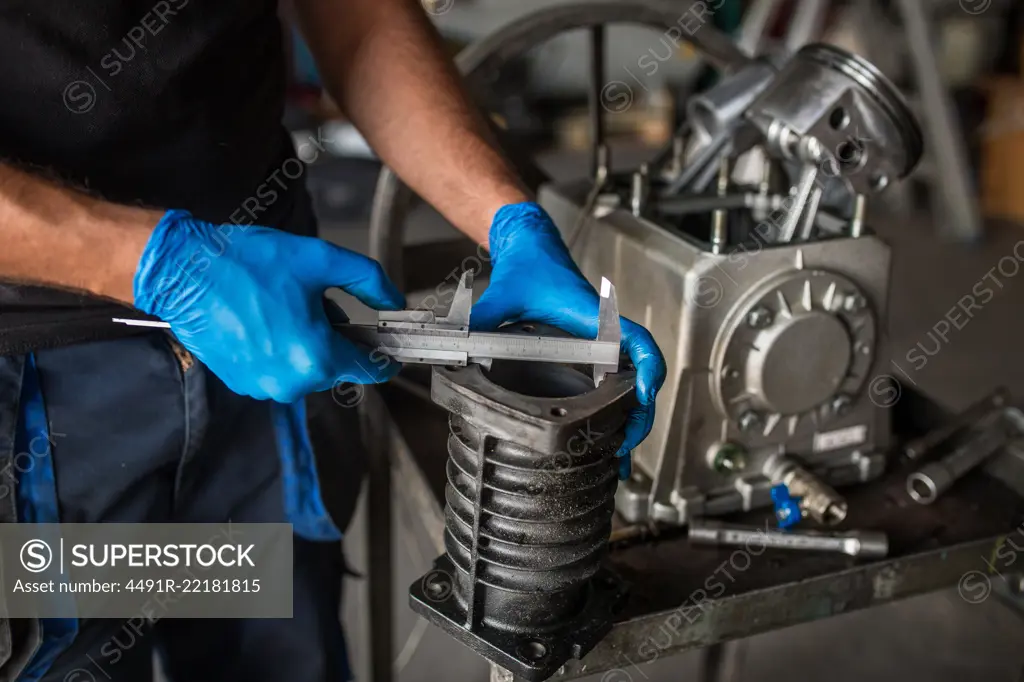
<point>949,224</point>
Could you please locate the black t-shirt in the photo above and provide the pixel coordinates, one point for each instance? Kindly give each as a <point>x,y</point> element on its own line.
<point>167,104</point>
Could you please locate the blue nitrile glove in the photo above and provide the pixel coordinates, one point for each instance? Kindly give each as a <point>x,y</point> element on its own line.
<point>534,278</point>
<point>248,302</point>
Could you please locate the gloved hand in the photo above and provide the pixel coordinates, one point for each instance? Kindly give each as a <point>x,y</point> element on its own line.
<point>534,278</point>
<point>248,302</point>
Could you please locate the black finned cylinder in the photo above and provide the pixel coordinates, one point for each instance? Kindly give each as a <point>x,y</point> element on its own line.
<point>529,501</point>
<point>541,531</point>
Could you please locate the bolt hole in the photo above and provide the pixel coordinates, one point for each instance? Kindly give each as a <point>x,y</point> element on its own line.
<point>529,328</point>
<point>558,411</point>
<point>383,324</point>
<point>533,650</point>
<point>839,119</point>
<point>851,155</point>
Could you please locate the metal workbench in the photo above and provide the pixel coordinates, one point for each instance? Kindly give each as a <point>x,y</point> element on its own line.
<point>684,597</point>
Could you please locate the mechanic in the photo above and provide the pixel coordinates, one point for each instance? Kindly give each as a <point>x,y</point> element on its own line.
<point>133,137</point>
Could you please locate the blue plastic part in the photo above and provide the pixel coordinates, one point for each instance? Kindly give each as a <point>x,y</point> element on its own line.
<point>787,507</point>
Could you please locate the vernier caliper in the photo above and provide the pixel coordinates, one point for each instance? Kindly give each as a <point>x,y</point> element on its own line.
<point>420,336</point>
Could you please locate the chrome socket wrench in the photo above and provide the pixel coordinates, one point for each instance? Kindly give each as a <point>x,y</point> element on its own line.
<point>926,484</point>
<point>858,543</point>
<point>919,447</point>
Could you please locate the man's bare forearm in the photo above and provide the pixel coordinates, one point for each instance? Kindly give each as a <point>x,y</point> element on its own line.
<point>384,64</point>
<point>58,237</point>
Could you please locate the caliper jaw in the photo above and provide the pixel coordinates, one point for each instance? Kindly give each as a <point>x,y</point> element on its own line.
<point>609,327</point>
<point>394,324</point>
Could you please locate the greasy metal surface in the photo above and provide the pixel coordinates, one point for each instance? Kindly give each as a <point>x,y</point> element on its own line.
<point>682,597</point>
<point>730,593</point>
<point>531,479</point>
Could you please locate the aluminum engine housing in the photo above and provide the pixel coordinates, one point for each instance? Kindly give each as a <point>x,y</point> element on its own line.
<point>771,350</point>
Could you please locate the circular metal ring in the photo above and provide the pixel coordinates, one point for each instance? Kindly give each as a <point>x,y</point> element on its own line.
<point>763,342</point>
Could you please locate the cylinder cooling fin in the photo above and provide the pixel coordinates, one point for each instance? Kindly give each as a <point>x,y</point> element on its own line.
<point>531,482</point>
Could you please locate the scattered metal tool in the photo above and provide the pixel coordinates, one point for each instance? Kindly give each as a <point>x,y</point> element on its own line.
<point>926,484</point>
<point>919,447</point>
<point>419,336</point>
<point>858,543</point>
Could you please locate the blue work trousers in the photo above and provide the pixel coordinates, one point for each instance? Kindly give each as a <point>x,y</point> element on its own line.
<point>136,430</point>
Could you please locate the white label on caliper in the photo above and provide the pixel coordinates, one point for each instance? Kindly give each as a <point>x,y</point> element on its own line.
<point>840,438</point>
